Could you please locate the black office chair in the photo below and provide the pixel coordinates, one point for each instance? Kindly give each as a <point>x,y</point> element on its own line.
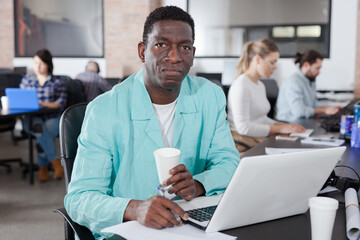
<point>70,126</point>
<point>75,90</point>
<point>20,70</point>
<point>9,80</point>
<point>272,91</point>
<point>5,70</point>
<point>113,81</point>
<point>8,124</point>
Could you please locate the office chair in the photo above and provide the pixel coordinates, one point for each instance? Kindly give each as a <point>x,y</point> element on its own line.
<point>74,89</point>
<point>5,70</point>
<point>210,76</point>
<point>113,81</point>
<point>8,124</point>
<point>70,126</point>
<point>20,70</point>
<point>9,80</point>
<point>215,78</point>
<point>272,91</point>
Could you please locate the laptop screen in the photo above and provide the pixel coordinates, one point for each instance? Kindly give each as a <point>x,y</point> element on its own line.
<point>22,98</point>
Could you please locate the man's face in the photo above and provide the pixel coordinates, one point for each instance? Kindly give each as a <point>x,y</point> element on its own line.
<point>313,70</point>
<point>168,54</point>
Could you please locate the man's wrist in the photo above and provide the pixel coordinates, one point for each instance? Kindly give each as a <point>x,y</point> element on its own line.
<point>199,188</point>
<point>130,211</point>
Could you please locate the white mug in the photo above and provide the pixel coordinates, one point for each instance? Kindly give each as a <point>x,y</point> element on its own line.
<point>5,103</point>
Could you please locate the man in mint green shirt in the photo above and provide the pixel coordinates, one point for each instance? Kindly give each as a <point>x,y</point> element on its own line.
<point>114,177</point>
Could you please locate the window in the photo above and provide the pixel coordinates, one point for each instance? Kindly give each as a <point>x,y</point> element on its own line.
<point>68,28</point>
<point>283,32</point>
<point>293,25</point>
<point>309,31</point>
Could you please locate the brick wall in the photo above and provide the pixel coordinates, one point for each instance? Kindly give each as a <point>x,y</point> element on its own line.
<point>6,34</point>
<point>124,21</point>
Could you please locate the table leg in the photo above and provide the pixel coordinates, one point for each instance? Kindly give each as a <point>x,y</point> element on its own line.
<point>31,167</point>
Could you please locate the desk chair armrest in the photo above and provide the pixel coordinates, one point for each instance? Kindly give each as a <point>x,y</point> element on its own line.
<point>81,231</point>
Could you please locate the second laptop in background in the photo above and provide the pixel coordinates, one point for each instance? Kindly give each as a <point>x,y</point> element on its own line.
<point>19,98</point>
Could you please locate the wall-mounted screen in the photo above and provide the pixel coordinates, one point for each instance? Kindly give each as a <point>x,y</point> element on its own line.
<point>68,28</point>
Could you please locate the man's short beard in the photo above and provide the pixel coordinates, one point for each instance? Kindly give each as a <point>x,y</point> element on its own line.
<point>310,77</point>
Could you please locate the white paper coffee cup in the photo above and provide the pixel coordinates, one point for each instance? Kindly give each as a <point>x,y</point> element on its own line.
<point>5,103</point>
<point>322,215</point>
<point>166,159</point>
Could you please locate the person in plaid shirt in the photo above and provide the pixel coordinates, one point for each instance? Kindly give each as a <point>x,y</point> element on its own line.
<point>51,93</point>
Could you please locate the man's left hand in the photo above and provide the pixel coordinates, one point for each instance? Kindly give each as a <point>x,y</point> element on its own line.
<point>183,183</point>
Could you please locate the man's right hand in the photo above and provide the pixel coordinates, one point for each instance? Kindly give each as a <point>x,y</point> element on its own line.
<point>326,110</point>
<point>155,212</point>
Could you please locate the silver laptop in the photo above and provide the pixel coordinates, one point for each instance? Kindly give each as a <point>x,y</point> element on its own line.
<point>266,187</point>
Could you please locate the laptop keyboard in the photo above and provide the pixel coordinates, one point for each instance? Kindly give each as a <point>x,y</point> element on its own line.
<point>332,123</point>
<point>202,214</point>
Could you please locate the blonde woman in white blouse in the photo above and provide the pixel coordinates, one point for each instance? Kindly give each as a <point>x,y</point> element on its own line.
<point>247,103</point>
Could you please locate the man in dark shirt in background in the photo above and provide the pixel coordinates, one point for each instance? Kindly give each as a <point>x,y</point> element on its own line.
<point>93,83</point>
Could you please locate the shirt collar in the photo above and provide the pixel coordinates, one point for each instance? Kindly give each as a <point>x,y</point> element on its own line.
<point>142,105</point>
<point>302,76</point>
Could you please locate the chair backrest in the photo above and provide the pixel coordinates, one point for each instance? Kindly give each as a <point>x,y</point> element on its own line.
<point>215,78</point>
<point>9,80</point>
<point>70,126</point>
<point>5,70</point>
<point>20,70</point>
<point>113,81</point>
<point>210,76</point>
<point>75,90</point>
<point>272,91</point>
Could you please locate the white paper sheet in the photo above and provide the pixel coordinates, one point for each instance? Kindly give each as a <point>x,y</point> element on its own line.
<point>323,141</point>
<point>305,134</point>
<point>270,151</point>
<point>133,230</point>
<point>352,214</point>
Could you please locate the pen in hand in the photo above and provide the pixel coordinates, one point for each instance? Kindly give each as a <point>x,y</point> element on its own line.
<point>161,192</point>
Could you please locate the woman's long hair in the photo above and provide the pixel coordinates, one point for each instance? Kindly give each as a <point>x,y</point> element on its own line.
<point>46,57</point>
<point>261,47</point>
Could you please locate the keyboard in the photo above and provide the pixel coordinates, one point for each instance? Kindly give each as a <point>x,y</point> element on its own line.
<point>202,214</point>
<point>332,123</point>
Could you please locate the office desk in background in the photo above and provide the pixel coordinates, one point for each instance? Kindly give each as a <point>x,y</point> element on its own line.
<point>298,227</point>
<point>30,114</point>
